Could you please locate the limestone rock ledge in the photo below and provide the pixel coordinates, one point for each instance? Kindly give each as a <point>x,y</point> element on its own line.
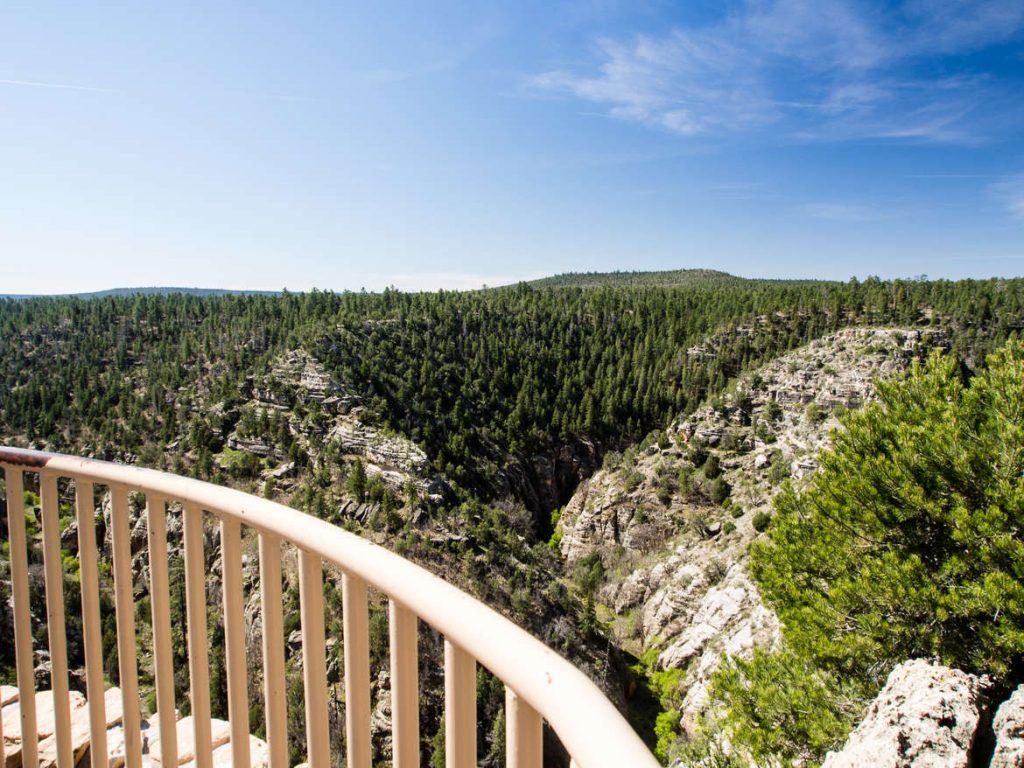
<point>926,716</point>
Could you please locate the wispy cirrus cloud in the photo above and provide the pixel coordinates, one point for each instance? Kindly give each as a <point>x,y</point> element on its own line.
<point>56,86</point>
<point>815,69</point>
<point>1010,193</point>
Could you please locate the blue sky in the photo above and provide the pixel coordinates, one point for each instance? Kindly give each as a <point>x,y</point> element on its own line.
<point>451,144</point>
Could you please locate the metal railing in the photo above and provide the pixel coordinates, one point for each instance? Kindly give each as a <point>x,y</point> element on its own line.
<point>539,684</point>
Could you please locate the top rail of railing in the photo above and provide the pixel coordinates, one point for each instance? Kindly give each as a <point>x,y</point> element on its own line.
<point>592,730</point>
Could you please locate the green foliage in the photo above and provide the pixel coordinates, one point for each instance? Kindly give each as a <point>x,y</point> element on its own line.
<point>815,413</point>
<point>779,706</point>
<point>655,711</point>
<point>761,520</point>
<point>904,545</point>
<point>473,377</point>
<point>356,483</point>
<point>712,467</point>
<point>437,753</point>
<point>632,481</point>
<point>719,490</point>
<point>555,542</point>
<point>588,573</point>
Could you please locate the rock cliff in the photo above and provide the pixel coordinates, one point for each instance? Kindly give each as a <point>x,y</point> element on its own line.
<point>671,522</point>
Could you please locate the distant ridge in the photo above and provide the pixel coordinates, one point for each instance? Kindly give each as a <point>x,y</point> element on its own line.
<point>673,278</point>
<point>142,291</point>
<point>666,278</point>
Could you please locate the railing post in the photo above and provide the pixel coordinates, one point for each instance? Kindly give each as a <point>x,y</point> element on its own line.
<point>159,588</point>
<point>405,717</point>
<point>85,512</point>
<point>274,693</point>
<point>523,733</point>
<point>459,707</point>
<point>234,639</point>
<point>314,661</point>
<point>124,606</point>
<point>55,625</point>
<point>356,628</point>
<point>198,653</point>
<point>22,615</point>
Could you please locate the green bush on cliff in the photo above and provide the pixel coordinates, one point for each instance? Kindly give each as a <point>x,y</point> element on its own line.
<point>906,544</point>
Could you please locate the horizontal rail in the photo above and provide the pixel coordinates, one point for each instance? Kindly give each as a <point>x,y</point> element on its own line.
<point>591,729</point>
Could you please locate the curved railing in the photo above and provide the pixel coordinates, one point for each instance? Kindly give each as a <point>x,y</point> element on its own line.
<point>540,685</point>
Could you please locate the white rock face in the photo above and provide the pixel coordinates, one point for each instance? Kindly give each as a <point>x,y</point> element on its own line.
<point>1009,731</point>
<point>925,717</point>
<point>678,561</point>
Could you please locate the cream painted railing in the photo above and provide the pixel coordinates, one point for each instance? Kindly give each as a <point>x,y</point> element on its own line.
<point>540,685</point>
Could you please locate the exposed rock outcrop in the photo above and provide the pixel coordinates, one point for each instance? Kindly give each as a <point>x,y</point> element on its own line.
<point>298,403</point>
<point>1008,727</point>
<point>674,549</point>
<point>926,716</point>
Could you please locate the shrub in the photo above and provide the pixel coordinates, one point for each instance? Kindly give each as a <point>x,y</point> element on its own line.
<point>761,521</point>
<point>632,481</point>
<point>712,467</point>
<point>778,472</point>
<point>719,491</point>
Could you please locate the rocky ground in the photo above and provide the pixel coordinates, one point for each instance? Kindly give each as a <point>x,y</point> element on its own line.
<point>81,746</point>
<point>671,523</point>
<point>931,716</point>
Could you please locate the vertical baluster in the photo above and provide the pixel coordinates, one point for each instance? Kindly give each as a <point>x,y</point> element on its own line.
<point>56,629</point>
<point>523,733</point>
<point>234,639</point>
<point>91,627</point>
<point>160,597</point>
<point>405,718</point>
<point>459,707</point>
<point>273,650</point>
<point>356,628</point>
<point>22,615</point>
<point>198,653</point>
<point>314,662</point>
<point>124,606</point>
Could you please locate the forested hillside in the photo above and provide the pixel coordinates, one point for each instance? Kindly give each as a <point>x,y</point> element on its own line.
<point>448,426</point>
<point>475,378</point>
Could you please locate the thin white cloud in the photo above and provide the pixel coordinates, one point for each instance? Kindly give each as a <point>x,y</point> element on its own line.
<point>58,86</point>
<point>1010,193</point>
<point>814,69</point>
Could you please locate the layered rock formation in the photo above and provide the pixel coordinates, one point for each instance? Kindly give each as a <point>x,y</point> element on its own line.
<point>299,403</point>
<point>672,548</point>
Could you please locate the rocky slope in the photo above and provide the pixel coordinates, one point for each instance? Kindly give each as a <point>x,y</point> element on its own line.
<point>667,527</point>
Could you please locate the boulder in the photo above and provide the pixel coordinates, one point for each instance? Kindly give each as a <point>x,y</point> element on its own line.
<point>926,716</point>
<point>45,725</point>
<point>259,754</point>
<point>1008,727</point>
<point>220,734</point>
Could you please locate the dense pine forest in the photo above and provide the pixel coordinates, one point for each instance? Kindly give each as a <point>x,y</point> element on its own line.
<point>512,395</point>
<point>475,378</point>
